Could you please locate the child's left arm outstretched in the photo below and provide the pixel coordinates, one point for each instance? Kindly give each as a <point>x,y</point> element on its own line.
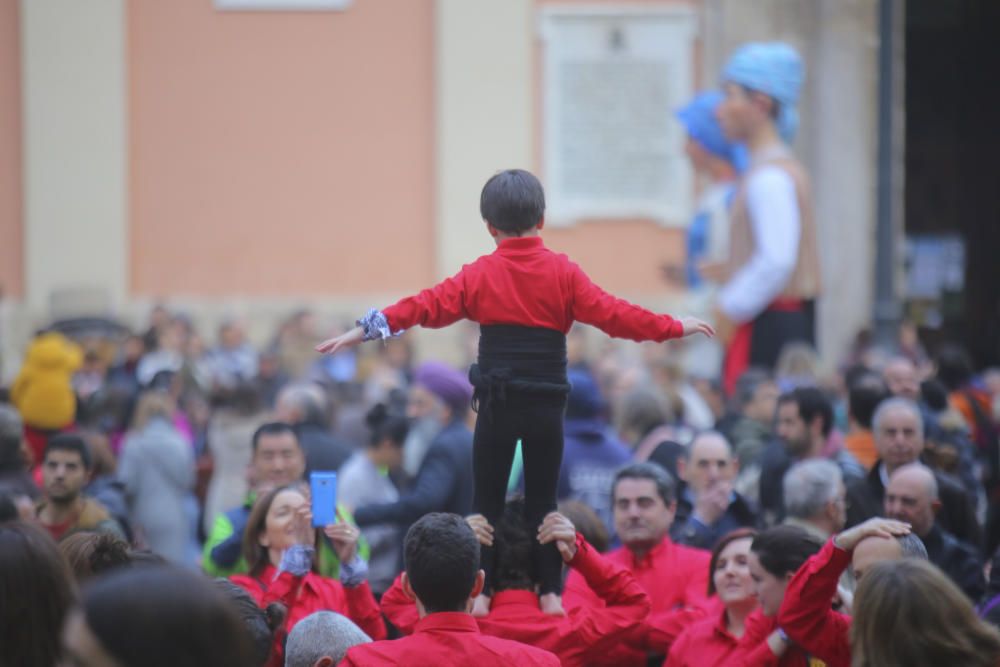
<point>621,319</point>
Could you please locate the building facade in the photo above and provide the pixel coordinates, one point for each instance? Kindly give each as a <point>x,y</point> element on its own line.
<point>253,160</point>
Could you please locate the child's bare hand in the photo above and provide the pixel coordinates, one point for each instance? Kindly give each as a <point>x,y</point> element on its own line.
<point>353,337</point>
<point>692,326</point>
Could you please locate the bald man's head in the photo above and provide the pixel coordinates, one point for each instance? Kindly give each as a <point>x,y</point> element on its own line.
<point>912,496</point>
<point>900,376</point>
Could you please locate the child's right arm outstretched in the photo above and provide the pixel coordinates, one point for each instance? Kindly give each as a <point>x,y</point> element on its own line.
<point>433,308</point>
<point>353,337</point>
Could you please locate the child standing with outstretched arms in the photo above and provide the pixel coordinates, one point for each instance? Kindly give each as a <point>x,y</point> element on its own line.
<point>525,298</point>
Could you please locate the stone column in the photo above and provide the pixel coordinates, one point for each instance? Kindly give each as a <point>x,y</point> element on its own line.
<point>75,155</point>
<point>484,72</point>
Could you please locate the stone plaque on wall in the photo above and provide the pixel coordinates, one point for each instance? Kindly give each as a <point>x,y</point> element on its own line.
<point>612,79</point>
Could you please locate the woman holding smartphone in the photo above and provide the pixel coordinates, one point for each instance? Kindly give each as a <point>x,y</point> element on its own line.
<point>279,546</point>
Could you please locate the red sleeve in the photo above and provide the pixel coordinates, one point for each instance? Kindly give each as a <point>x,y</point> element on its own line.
<point>399,608</point>
<point>617,317</point>
<point>363,610</point>
<point>753,650</point>
<point>348,660</point>
<point>805,613</point>
<point>576,592</point>
<point>678,651</point>
<point>626,602</point>
<point>664,627</point>
<point>433,308</point>
<point>577,595</point>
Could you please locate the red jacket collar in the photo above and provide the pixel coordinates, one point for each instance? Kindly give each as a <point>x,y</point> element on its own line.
<point>514,597</point>
<point>722,625</point>
<point>520,244</point>
<point>452,621</point>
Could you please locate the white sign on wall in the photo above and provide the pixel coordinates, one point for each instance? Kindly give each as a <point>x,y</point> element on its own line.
<point>284,5</point>
<point>612,79</point>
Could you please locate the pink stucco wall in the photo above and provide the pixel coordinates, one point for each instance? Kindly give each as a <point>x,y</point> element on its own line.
<point>11,182</point>
<point>280,153</point>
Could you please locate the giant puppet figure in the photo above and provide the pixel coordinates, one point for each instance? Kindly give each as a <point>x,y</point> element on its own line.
<point>772,276</point>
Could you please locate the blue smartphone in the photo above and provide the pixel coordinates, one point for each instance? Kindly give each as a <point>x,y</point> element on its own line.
<point>323,486</point>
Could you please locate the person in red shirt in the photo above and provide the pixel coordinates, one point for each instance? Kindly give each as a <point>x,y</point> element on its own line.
<point>279,546</point>
<point>775,555</point>
<point>712,641</point>
<point>674,577</point>
<point>442,577</point>
<point>577,639</point>
<point>526,298</point>
<point>805,613</point>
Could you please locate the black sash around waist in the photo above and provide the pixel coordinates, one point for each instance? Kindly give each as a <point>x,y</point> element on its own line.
<point>519,359</point>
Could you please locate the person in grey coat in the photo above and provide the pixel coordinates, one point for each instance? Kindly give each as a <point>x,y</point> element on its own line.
<point>158,470</point>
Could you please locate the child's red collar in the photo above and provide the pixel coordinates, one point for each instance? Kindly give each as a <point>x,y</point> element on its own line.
<point>521,243</point>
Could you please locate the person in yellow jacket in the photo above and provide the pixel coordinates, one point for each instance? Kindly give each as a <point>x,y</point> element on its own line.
<point>43,390</point>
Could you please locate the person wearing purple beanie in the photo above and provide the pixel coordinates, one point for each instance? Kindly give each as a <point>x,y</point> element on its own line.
<point>439,398</point>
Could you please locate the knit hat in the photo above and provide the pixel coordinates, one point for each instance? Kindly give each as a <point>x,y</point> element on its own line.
<point>775,69</point>
<point>446,383</point>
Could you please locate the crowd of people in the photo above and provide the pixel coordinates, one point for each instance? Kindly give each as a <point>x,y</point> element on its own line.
<point>567,501</point>
<point>738,541</point>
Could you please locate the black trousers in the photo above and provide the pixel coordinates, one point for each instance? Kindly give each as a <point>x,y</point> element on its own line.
<point>536,419</point>
<point>773,329</point>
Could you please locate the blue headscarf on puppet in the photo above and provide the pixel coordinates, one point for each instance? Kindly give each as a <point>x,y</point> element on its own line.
<point>775,69</point>
<point>700,122</point>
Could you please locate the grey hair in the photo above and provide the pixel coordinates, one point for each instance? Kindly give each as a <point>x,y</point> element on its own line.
<point>309,398</point>
<point>666,487</point>
<point>911,546</point>
<point>896,403</point>
<point>808,486</point>
<point>319,635</point>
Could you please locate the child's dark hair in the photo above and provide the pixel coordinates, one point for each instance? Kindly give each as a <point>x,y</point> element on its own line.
<point>384,424</point>
<point>513,201</point>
